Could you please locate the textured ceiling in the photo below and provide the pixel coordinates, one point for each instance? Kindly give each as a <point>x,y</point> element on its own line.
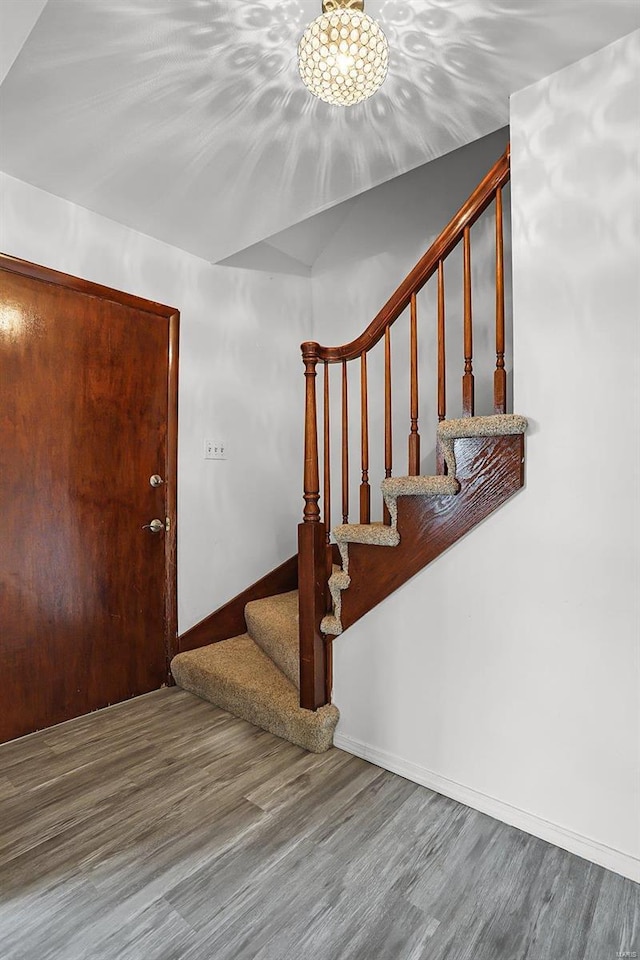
<point>17,18</point>
<point>186,119</point>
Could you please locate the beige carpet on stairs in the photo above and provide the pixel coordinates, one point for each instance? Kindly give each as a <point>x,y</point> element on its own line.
<point>238,676</point>
<point>273,624</point>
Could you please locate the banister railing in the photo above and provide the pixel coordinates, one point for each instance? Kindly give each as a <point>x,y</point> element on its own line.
<point>315,553</point>
<point>397,303</point>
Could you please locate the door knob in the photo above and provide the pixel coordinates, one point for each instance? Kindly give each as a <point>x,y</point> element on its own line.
<point>156,481</point>
<point>155,526</point>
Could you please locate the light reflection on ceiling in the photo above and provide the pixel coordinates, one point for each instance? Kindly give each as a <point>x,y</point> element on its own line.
<point>186,119</point>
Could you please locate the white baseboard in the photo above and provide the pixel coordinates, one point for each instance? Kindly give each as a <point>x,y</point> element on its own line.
<point>622,863</point>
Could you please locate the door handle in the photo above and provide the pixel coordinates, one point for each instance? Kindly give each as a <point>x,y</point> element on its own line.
<point>155,526</point>
<point>156,481</point>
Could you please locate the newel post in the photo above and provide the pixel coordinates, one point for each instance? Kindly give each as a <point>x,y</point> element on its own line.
<point>312,566</point>
<point>311,473</point>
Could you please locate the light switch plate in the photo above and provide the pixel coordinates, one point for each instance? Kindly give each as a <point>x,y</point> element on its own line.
<point>215,450</point>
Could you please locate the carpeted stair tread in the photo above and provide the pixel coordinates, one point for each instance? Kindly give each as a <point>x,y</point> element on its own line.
<point>495,425</point>
<point>272,623</point>
<point>394,487</point>
<point>331,625</point>
<point>378,534</point>
<point>338,581</point>
<point>420,486</point>
<point>239,677</point>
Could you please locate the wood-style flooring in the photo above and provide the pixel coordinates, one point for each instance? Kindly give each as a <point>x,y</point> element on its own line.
<point>164,829</point>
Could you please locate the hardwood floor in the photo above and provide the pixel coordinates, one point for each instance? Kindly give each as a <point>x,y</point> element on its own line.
<point>164,829</point>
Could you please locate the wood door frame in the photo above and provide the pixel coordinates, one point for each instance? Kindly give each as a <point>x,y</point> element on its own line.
<point>37,272</point>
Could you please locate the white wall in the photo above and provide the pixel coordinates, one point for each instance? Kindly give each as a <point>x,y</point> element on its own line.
<point>240,380</point>
<point>17,20</point>
<point>506,674</point>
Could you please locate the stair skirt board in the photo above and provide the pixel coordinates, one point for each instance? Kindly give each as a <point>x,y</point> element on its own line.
<point>237,676</point>
<point>378,534</point>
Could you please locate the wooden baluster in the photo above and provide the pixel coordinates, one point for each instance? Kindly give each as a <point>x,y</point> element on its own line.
<point>414,435</point>
<point>312,552</point>
<point>345,444</point>
<point>327,480</point>
<point>467,380</point>
<point>311,512</point>
<point>500,376</point>
<point>388,438</point>
<point>442,363</point>
<point>365,490</point>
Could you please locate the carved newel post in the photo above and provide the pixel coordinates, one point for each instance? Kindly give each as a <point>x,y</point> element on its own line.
<point>311,552</point>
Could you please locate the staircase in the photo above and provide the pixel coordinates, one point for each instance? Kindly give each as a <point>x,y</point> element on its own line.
<point>270,659</point>
<point>255,675</point>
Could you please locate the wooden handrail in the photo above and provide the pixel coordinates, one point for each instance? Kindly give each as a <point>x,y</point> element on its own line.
<point>442,246</point>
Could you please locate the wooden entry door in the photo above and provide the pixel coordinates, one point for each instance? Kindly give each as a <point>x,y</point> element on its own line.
<point>88,414</point>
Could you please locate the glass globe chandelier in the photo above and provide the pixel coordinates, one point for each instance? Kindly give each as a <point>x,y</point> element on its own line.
<point>343,55</point>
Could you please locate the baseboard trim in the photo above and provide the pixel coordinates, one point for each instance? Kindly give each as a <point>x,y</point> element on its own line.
<point>599,853</point>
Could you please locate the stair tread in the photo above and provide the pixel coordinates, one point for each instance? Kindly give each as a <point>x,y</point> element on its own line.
<point>239,677</point>
<point>494,425</point>
<point>420,486</point>
<point>377,534</point>
<point>331,625</point>
<point>272,623</point>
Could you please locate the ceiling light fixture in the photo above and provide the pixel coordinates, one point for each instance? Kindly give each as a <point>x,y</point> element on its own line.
<point>343,55</point>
